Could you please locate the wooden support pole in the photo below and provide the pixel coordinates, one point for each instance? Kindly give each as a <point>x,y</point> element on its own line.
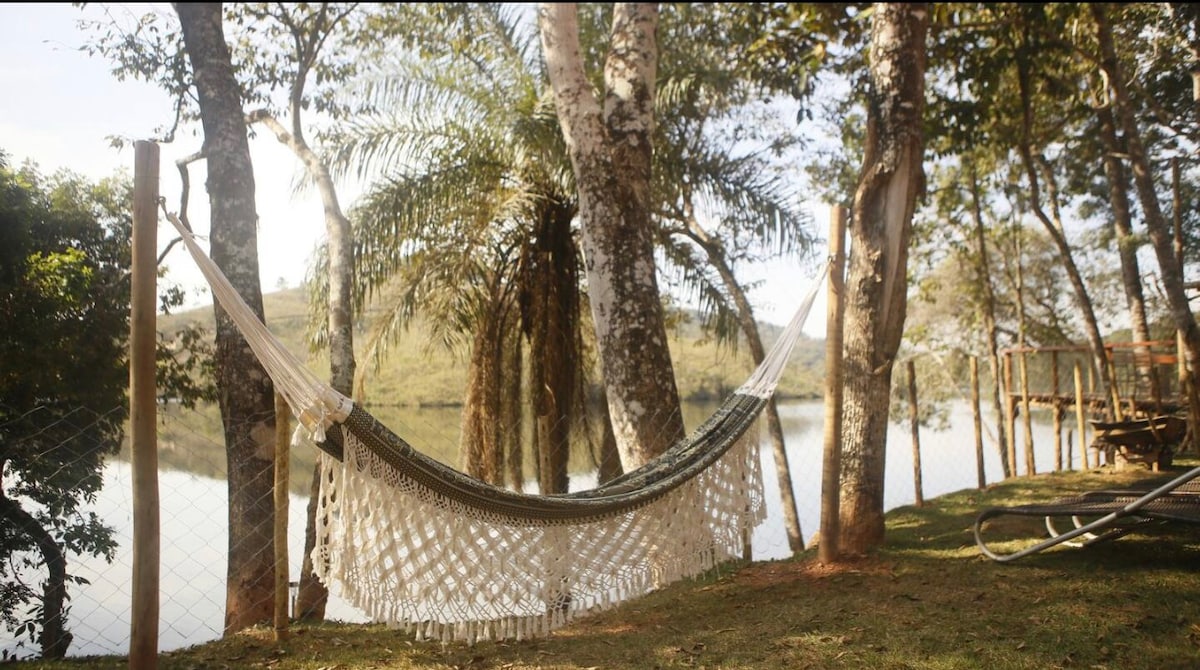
<point>143,634</point>
<point>1010,414</point>
<point>978,416</point>
<point>914,416</point>
<point>1118,413</point>
<point>1026,419</point>
<point>831,469</point>
<point>283,431</point>
<point>1058,413</point>
<point>1081,425</point>
<point>1186,392</point>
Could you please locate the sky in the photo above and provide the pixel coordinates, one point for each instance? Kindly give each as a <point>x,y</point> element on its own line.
<point>59,107</point>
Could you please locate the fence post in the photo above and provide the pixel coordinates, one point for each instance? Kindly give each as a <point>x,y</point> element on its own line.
<point>1080,424</point>
<point>1026,418</point>
<point>282,454</point>
<point>143,633</point>
<point>975,412</point>
<point>831,469</point>
<point>1010,414</point>
<point>1058,412</point>
<point>914,416</point>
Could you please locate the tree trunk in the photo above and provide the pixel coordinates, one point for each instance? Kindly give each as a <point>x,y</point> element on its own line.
<point>1131,274</point>
<point>512,414</point>
<point>717,258</point>
<point>246,395</point>
<point>610,151</point>
<point>610,457</point>
<point>481,408</point>
<point>1054,229</point>
<point>307,39</point>
<point>312,595</point>
<point>1170,269</point>
<point>876,290</point>
<point>983,274</point>
<point>550,318</point>
<point>53,638</point>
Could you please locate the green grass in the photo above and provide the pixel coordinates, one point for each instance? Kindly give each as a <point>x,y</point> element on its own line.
<point>926,600</point>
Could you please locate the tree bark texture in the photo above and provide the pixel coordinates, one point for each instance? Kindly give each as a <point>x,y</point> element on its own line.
<point>876,290</point>
<point>988,316</point>
<point>512,418</point>
<point>1127,245</point>
<point>610,149</point>
<point>550,318</point>
<point>717,257</point>
<point>246,394</point>
<point>312,596</point>
<point>53,638</point>
<point>481,409</point>
<point>1033,160</point>
<point>1170,269</point>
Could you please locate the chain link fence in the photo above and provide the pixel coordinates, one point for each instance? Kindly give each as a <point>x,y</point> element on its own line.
<point>194,513</point>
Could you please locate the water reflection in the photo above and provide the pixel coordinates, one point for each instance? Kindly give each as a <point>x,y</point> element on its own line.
<point>194,512</point>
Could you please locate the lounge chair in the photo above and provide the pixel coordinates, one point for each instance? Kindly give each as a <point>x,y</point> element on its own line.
<point>1102,515</point>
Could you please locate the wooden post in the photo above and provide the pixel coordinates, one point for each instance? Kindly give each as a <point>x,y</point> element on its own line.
<point>1057,404</point>
<point>283,431</point>
<point>1010,414</point>
<point>914,416</point>
<point>1026,419</point>
<point>975,412</point>
<point>143,635</point>
<point>1070,451</point>
<point>831,469</point>
<point>1118,413</point>
<point>1187,392</point>
<point>1081,427</point>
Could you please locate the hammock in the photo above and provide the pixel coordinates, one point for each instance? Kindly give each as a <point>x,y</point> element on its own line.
<point>418,545</point>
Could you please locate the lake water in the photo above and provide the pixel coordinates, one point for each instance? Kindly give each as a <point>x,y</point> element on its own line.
<point>194,535</point>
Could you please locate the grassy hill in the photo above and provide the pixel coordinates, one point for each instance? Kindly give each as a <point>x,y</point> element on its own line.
<point>419,387</point>
<point>417,373</point>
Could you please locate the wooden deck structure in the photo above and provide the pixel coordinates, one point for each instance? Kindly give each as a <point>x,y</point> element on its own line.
<point>1146,377</point>
<point>1145,380</point>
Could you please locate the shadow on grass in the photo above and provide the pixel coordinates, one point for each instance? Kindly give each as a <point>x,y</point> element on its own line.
<point>927,599</point>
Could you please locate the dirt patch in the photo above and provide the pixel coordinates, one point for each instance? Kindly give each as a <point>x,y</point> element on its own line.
<point>763,575</point>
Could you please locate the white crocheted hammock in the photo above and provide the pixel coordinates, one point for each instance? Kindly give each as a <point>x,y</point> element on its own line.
<point>419,545</point>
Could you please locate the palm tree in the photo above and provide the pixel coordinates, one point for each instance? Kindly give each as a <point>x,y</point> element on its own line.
<point>471,224</point>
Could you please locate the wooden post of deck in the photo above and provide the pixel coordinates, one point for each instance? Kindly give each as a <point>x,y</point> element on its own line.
<point>1010,414</point>
<point>1118,413</point>
<point>143,406</point>
<point>831,468</point>
<point>1058,412</point>
<point>914,416</point>
<point>975,412</point>
<point>1026,419</point>
<point>1080,424</point>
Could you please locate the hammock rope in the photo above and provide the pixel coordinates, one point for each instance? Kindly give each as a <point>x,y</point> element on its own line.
<point>419,545</point>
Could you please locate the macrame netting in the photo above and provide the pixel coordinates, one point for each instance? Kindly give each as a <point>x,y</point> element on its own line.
<point>415,544</point>
<point>413,558</point>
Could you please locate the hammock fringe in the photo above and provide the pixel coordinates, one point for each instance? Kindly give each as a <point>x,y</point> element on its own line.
<point>426,564</point>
